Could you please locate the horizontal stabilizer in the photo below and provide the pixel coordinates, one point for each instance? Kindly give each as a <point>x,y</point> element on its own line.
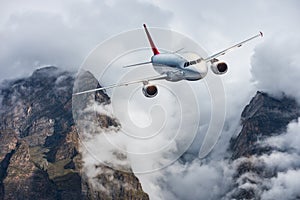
<point>137,64</point>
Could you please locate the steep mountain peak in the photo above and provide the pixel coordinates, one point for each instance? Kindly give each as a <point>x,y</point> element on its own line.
<point>263,102</point>
<point>39,145</point>
<point>264,116</point>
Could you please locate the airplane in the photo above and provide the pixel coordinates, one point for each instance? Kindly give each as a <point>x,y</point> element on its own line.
<point>174,67</point>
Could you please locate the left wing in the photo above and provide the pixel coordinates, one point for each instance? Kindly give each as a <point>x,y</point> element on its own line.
<point>159,77</point>
<point>232,47</point>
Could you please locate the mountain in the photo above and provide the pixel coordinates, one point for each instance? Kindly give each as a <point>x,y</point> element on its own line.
<point>41,154</point>
<point>39,144</point>
<point>264,118</point>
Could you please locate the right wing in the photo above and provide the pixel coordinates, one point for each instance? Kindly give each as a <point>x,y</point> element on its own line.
<point>159,77</point>
<point>231,48</point>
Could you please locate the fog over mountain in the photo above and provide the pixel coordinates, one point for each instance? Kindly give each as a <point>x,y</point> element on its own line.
<point>36,34</point>
<point>41,152</point>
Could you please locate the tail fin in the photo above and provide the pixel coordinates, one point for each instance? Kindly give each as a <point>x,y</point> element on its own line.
<point>154,49</point>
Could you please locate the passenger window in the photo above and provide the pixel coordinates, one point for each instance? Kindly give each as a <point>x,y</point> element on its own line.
<point>193,62</point>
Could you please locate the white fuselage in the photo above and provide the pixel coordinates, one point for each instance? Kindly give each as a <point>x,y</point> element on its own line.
<point>173,65</point>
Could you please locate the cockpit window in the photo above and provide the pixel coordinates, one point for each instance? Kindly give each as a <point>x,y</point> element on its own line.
<point>186,64</point>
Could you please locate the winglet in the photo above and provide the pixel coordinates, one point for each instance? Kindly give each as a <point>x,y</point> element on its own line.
<point>153,47</point>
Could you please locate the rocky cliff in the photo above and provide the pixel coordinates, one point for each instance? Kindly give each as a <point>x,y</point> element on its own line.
<point>39,146</point>
<point>263,118</point>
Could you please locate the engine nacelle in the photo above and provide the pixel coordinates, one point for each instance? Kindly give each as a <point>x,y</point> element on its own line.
<point>219,67</point>
<point>150,91</point>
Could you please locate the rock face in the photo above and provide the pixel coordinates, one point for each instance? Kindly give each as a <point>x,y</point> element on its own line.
<point>39,146</point>
<point>262,118</point>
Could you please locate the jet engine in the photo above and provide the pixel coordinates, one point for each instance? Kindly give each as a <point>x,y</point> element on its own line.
<point>219,67</point>
<point>150,91</point>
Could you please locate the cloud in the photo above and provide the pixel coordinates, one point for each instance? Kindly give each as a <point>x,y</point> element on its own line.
<point>195,180</point>
<point>275,65</point>
<point>285,186</point>
<point>62,33</point>
<point>283,162</point>
<point>204,177</point>
<point>288,141</point>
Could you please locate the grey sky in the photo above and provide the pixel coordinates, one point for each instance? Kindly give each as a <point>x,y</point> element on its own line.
<point>34,34</point>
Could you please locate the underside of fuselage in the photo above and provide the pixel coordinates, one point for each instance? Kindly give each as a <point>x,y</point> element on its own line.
<point>173,66</point>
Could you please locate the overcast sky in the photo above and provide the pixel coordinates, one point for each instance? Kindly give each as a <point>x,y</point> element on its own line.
<point>36,33</point>
<point>62,33</point>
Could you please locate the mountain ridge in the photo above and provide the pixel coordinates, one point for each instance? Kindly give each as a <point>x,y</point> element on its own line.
<point>40,152</point>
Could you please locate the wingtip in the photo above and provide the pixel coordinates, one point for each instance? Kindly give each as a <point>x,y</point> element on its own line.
<point>261,34</point>
<point>144,25</point>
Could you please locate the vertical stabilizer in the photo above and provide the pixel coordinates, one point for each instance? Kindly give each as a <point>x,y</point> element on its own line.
<point>154,49</point>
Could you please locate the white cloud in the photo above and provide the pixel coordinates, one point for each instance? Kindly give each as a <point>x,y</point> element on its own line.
<point>285,186</point>
<point>288,141</point>
<point>281,161</point>
<point>284,162</point>
<point>275,66</point>
<point>195,180</point>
